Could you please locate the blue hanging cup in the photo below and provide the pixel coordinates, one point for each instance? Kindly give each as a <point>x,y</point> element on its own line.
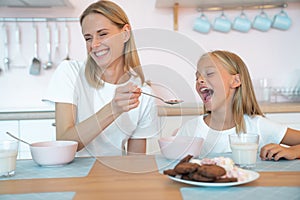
<point>242,23</point>
<point>282,21</point>
<point>202,24</point>
<point>262,22</point>
<point>222,24</point>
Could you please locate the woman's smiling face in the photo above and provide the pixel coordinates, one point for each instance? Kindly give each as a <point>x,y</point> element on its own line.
<point>104,40</point>
<point>213,83</point>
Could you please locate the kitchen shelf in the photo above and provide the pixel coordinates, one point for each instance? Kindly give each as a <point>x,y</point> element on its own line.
<point>216,5</point>
<point>39,19</point>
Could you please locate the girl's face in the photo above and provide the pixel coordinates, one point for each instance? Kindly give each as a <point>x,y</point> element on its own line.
<point>104,40</point>
<point>214,83</point>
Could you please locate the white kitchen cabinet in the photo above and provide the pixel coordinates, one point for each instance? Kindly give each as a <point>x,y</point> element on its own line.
<point>28,130</point>
<point>169,124</point>
<point>35,131</point>
<point>11,126</point>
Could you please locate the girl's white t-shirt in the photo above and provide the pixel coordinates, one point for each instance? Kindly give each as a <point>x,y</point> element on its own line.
<point>218,141</point>
<point>69,85</point>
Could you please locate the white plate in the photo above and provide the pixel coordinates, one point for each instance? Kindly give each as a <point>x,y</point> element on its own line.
<point>252,176</point>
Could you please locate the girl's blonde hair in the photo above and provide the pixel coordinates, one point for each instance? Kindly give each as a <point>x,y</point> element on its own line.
<point>244,100</point>
<point>115,14</point>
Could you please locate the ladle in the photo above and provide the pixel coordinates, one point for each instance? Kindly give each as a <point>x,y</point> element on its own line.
<point>49,64</point>
<point>11,135</point>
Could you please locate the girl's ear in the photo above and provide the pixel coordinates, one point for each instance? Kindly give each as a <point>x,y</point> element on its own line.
<point>126,32</point>
<point>236,81</point>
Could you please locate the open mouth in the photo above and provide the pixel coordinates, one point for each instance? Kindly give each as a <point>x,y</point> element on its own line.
<point>206,93</point>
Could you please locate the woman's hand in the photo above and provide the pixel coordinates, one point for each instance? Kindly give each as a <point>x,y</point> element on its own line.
<point>126,98</point>
<point>277,151</point>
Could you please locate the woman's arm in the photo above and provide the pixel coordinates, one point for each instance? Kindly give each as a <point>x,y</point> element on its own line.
<point>87,130</point>
<point>277,151</point>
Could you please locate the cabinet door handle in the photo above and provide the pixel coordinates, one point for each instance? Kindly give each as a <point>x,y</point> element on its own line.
<point>53,124</point>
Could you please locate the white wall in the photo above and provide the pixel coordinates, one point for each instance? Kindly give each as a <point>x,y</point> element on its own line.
<point>273,54</point>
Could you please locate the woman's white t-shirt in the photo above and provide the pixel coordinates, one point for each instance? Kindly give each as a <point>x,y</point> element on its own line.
<point>218,141</point>
<point>69,85</point>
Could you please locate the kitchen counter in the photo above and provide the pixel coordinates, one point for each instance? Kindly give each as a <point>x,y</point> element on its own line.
<point>184,109</point>
<point>196,109</point>
<point>19,113</point>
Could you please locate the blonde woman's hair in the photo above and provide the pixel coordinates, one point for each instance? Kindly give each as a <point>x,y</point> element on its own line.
<point>115,14</point>
<point>244,100</point>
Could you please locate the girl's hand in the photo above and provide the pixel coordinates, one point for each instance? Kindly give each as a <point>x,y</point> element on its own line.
<point>277,151</point>
<point>126,98</point>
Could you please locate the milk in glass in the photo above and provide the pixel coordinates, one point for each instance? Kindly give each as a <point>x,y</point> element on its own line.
<point>244,149</point>
<point>8,157</point>
<point>244,154</point>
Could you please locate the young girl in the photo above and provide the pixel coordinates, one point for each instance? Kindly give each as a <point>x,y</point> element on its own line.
<point>225,87</point>
<point>98,102</point>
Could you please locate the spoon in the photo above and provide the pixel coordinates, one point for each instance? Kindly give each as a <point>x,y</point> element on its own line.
<point>11,135</point>
<point>171,102</point>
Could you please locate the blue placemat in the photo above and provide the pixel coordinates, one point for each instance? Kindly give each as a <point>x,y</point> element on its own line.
<point>261,166</point>
<point>28,169</point>
<point>241,193</point>
<point>163,163</point>
<point>281,165</point>
<point>41,196</point>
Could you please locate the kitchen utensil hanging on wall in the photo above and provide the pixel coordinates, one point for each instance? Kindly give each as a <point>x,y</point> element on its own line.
<point>18,60</point>
<point>49,63</point>
<point>35,67</point>
<point>6,60</point>
<point>67,32</point>
<point>56,43</point>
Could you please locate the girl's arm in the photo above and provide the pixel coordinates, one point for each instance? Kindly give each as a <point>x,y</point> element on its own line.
<point>277,151</point>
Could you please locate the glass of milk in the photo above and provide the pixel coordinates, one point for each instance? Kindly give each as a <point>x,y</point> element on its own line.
<point>8,157</point>
<point>244,147</point>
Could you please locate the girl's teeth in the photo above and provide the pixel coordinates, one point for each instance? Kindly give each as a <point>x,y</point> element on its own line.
<point>203,89</point>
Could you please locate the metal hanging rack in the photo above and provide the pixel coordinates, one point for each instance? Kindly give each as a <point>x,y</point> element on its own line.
<point>39,19</point>
<point>244,6</point>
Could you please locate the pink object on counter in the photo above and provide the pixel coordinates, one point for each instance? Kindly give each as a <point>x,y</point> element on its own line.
<point>53,152</point>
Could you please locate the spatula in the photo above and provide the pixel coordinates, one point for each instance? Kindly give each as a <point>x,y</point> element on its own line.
<point>6,60</point>
<point>35,67</point>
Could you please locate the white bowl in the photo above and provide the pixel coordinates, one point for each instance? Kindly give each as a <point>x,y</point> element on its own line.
<point>177,147</point>
<point>53,153</point>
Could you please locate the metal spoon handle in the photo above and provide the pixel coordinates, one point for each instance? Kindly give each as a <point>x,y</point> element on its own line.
<point>11,135</point>
<point>153,96</point>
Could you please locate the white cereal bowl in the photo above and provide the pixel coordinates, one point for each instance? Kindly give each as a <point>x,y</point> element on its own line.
<point>177,147</point>
<point>53,153</point>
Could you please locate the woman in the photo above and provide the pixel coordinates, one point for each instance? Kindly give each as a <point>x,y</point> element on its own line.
<point>98,103</point>
<point>224,85</point>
